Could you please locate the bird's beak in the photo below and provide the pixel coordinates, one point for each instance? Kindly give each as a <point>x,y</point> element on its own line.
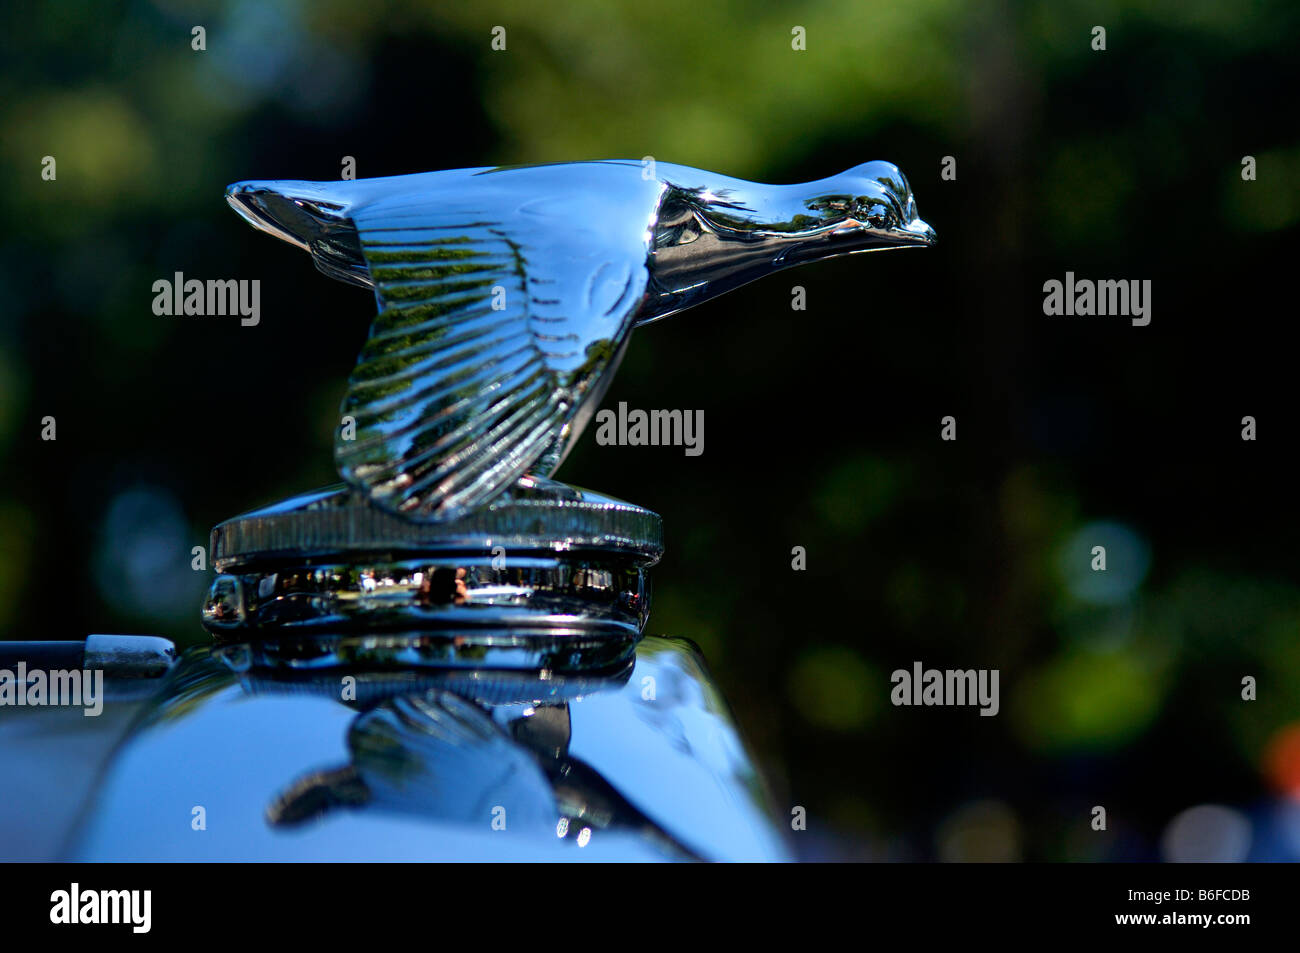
<point>917,232</point>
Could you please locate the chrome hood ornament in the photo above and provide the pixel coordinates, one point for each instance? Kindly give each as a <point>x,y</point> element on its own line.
<point>506,299</point>
<point>507,296</point>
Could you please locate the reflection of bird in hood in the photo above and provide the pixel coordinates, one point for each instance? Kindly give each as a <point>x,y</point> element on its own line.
<point>506,296</point>
<point>440,756</point>
<point>435,755</point>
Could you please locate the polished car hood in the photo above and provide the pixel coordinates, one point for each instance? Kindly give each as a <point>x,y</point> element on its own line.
<point>232,762</point>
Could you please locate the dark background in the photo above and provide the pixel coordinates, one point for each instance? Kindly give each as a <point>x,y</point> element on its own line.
<point>822,427</point>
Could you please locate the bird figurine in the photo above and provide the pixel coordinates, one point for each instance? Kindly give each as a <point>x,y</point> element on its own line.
<point>507,296</point>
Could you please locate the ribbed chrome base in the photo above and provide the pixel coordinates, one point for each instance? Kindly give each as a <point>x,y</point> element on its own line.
<point>546,574</point>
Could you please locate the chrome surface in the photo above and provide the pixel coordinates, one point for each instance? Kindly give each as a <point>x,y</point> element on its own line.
<point>534,515</point>
<point>543,556</point>
<point>640,763</point>
<point>117,656</point>
<point>506,296</point>
<point>443,659</point>
<point>376,594</point>
<point>539,645</point>
<point>130,656</point>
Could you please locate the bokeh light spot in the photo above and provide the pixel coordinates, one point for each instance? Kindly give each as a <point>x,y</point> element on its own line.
<point>1207,833</point>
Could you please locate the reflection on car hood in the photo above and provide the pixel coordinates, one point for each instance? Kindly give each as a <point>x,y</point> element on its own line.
<point>236,762</point>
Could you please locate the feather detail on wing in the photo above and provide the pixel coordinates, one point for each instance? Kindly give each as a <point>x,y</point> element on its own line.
<point>451,395</point>
<point>504,297</point>
<point>477,361</point>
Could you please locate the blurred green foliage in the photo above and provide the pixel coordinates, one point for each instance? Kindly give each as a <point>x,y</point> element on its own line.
<point>822,426</point>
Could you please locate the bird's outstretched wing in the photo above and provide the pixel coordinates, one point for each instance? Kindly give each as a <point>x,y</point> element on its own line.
<point>504,295</point>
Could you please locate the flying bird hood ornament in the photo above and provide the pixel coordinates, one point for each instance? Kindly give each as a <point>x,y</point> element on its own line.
<point>506,299</point>
<point>507,296</point>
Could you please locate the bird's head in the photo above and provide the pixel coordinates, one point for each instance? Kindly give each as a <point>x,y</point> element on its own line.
<point>869,206</point>
<point>719,235</point>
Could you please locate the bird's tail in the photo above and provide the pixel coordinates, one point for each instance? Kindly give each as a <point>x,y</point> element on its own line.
<point>313,216</point>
